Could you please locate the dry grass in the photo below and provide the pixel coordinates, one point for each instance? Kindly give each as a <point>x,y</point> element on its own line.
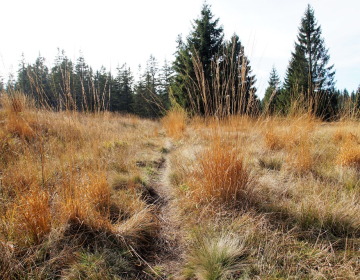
<point>304,188</point>
<point>55,194</point>
<point>264,198</point>
<point>175,122</point>
<point>219,175</point>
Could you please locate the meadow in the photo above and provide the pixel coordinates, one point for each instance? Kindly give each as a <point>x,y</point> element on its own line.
<point>110,196</point>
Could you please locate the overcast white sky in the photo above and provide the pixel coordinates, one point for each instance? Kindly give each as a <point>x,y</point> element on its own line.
<point>114,32</point>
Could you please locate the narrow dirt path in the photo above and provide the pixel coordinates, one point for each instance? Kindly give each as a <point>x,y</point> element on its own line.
<point>169,247</point>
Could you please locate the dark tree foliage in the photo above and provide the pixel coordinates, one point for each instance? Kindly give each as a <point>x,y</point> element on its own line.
<point>122,97</point>
<point>309,80</point>
<point>82,84</point>
<point>212,76</point>
<point>166,76</point>
<point>357,100</point>
<point>101,90</point>
<point>271,92</point>
<point>147,100</point>
<point>199,50</point>
<point>77,87</point>
<point>235,80</point>
<point>39,79</point>
<point>23,81</point>
<point>62,76</point>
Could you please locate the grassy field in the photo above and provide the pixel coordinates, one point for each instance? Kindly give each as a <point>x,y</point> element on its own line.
<point>105,196</point>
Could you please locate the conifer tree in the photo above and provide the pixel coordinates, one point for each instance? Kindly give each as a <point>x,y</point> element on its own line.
<point>272,92</point>
<point>23,81</point>
<point>40,81</point>
<point>233,82</point>
<point>122,98</point>
<point>62,76</point>
<point>200,48</point>
<point>308,77</point>
<point>166,76</point>
<point>101,90</point>
<point>147,100</point>
<point>82,83</point>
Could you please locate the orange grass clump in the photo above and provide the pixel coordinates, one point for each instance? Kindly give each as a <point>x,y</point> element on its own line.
<point>349,154</point>
<point>30,218</point>
<point>175,123</point>
<point>349,151</point>
<point>300,156</point>
<point>274,141</point>
<point>219,176</point>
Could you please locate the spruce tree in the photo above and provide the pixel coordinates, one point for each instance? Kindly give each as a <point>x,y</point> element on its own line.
<point>122,98</point>
<point>62,76</point>
<point>147,101</point>
<point>272,92</point>
<point>233,82</point>
<point>82,83</point>
<point>357,100</point>
<point>195,56</point>
<point>23,83</point>
<point>101,90</point>
<point>40,79</point>
<point>309,79</point>
<point>166,76</point>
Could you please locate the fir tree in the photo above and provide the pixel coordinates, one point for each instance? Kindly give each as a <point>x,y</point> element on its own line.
<point>147,101</point>
<point>122,99</point>
<point>200,48</point>
<point>233,84</point>
<point>166,76</point>
<point>82,84</point>
<point>23,82</point>
<point>272,92</point>
<point>40,79</point>
<point>101,90</point>
<point>62,77</point>
<point>308,78</point>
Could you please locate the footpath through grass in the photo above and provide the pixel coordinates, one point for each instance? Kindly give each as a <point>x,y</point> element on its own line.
<point>89,196</point>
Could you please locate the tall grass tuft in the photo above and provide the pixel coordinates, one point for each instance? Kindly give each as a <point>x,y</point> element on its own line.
<point>219,176</point>
<point>30,218</point>
<point>175,122</point>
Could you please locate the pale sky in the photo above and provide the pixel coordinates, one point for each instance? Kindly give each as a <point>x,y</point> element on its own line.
<point>111,33</point>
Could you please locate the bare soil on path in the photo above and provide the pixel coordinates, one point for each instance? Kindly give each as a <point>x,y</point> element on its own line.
<point>166,258</point>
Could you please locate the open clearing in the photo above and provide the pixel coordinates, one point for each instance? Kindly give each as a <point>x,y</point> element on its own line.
<point>90,196</point>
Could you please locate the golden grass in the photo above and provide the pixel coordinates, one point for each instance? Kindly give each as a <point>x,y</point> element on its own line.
<point>175,122</point>
<point>55,170</point>
<point>267,198</point>
<point>219,175</point>
<point>301,178</point>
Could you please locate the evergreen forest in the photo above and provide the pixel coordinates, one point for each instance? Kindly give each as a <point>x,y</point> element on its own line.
<point>210,75</point>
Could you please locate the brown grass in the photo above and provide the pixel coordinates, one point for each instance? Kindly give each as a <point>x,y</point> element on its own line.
<point>72,194</point>
<point>175,122</point>
<point>219,175</point>
<point>55,194</point>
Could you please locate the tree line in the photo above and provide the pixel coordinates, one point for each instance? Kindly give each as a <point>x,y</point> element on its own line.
<point>209,76</point>
<point>76,86</point>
